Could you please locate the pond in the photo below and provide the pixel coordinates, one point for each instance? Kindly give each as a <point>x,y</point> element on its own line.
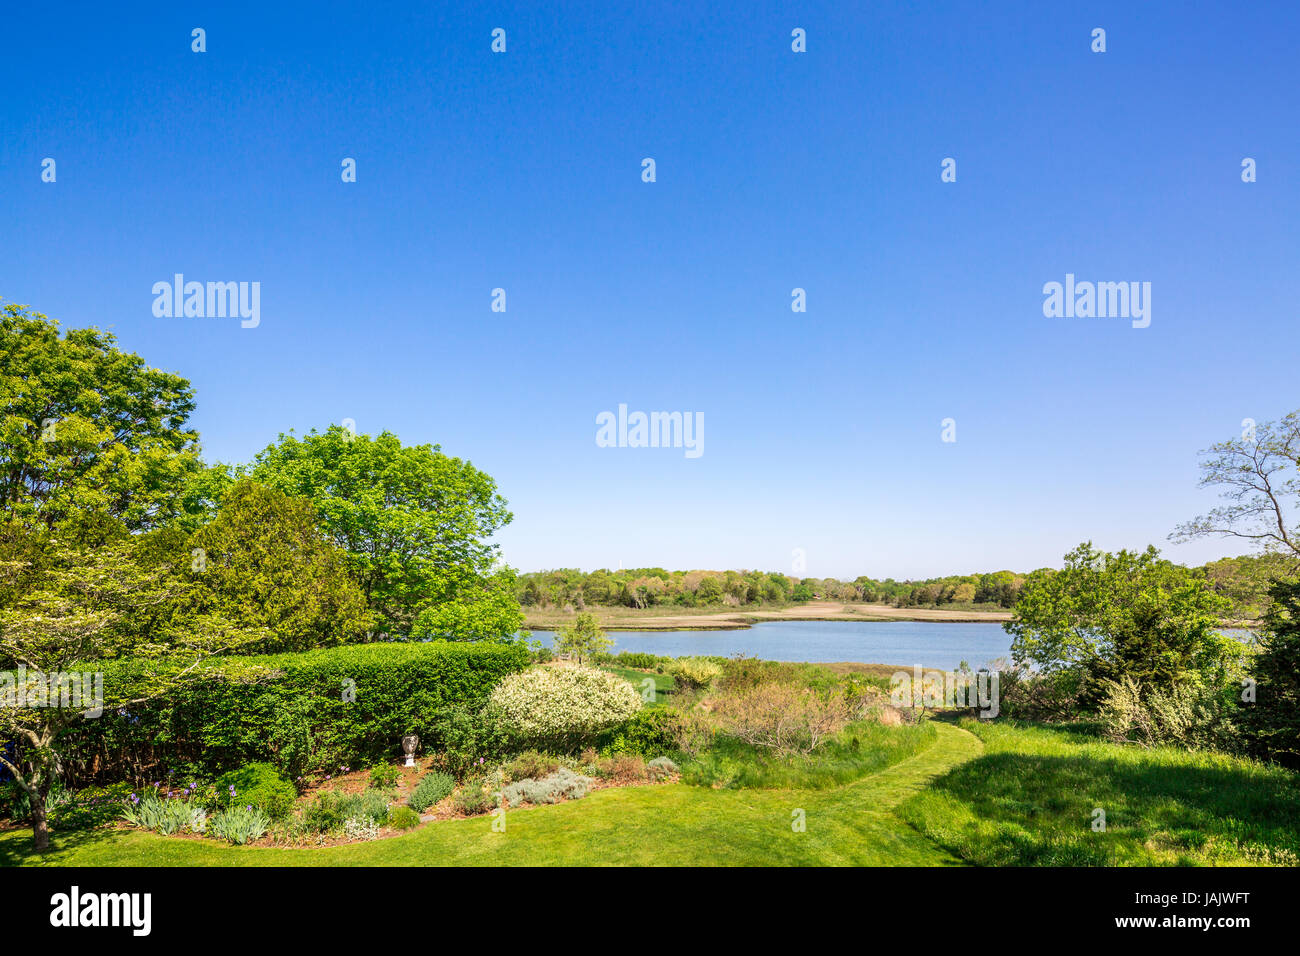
<point>937,644</point>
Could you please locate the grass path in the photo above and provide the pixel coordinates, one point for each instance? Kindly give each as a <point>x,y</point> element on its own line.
<point>667,825</point>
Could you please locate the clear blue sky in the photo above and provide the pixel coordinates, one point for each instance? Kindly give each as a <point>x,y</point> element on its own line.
<point>775,170</point>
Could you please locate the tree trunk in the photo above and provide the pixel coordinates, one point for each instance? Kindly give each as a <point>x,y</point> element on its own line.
<point>40,826</point>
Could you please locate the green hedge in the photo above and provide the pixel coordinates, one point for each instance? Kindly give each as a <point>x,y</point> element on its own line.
<point>290,710</point>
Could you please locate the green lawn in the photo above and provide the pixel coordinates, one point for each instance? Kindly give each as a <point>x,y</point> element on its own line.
<point>664,683</point>
<point>992,794</point>
<point>664,825</point>
<point>1031,798</point>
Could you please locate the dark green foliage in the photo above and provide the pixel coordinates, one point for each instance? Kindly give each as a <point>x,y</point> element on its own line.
<point>464,737</point>
<point>262,563</point>
<point>432,788</point>
<point>652,732</point>
<point>1125,615</point>
<point>301,712</point>
<point>258,785</point>
<point>1273,721</point>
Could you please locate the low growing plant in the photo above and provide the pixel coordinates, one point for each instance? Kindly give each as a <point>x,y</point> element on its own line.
<point>561,785</point>
<point>239,825</point>
<point>473,798</point>
<point>433,787</point>
<point>403,818</point>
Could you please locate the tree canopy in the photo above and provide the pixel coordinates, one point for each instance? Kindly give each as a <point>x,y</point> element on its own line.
<point>1129,614</point>
<point>88,428</point>
<point>415,523</point>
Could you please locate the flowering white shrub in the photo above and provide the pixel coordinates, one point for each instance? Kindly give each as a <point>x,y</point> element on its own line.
<point>563,703</point>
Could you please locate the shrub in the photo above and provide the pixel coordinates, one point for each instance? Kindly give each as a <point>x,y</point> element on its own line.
<point>333,809</point>
<point>694,671</point>
<point>302,712</point>
<point>563,784</point>
<point>1186,716</point>
<point>432,788</point>
<point>563,705</point>
<point>695,733</point>
<point>624,767</point>
<point>781,717</point>
<point>1027,695</point>
<point>14,802</point>
<point>638,660</point>
<point>649,732</point>
<point>384,776</point>
<point>403,818</point>
<point>661,768</point>
<point>258,785</point>
<point>742,673</point>
<point>473,798</point>
<point>530,763</point>
<point>465,737</point>
<point>239,825</point>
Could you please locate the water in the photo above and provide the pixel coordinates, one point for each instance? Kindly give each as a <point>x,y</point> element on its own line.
<point>940,645</point>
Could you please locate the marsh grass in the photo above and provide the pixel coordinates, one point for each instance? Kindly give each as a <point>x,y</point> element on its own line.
<point>862,748</point>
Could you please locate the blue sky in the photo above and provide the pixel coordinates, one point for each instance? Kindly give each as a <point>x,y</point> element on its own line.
<point>775,170</point>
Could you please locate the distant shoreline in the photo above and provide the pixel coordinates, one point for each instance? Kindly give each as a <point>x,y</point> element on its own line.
<point>687,619</point>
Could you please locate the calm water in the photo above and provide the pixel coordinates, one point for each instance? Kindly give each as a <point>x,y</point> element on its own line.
<point>934,644</point>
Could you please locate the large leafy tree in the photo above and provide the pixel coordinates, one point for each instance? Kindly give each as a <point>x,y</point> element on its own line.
<point>263,563</point>
<point>82,610</point>
<point>415,523</point>
<point>1130,614</point>
<point>88,429</point>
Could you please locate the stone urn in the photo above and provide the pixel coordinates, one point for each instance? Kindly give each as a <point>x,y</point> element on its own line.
<point>409,743</point>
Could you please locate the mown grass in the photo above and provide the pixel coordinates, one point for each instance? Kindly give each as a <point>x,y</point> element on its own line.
<point>664,683</point>
<point>1031,800</point>
<point>664,825</point>
<point>860,749</point>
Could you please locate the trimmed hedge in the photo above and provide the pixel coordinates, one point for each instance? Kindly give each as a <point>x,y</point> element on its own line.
<point>292,710</point>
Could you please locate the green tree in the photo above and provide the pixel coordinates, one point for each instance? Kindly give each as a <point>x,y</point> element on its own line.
<point>87,428</point>
<point>1131,614</point>
<point>263,563</point>
<point>55,632</point>
<point>1273,720</point>
<point>414,522</point>
<point>486,609</point>
<point>583,638</point>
